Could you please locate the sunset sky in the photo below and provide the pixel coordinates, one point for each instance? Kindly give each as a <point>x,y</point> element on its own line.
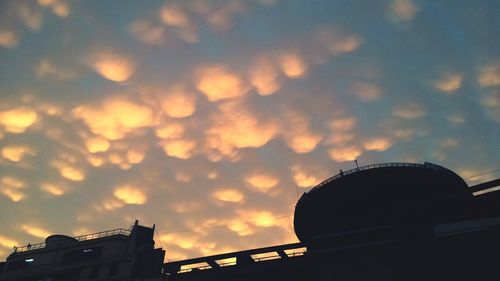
<point>209,118</point>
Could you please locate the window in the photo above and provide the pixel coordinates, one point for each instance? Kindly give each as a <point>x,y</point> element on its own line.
<point>113,270</point>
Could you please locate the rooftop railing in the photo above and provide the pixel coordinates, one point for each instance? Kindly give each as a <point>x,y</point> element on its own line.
<point>426,165</point>
<point>30,247</point>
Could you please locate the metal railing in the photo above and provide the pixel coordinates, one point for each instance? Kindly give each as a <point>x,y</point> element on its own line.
<point>30,247</point>
<point>426,165</point>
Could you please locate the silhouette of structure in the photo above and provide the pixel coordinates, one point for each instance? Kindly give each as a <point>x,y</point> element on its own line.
<point>391,221</point>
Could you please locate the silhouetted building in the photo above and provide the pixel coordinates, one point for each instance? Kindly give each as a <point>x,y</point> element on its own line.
<point>391,221</point>
<point>118,254</point>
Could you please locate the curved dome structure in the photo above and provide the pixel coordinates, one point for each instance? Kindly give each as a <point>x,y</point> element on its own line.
<point>380,195</point>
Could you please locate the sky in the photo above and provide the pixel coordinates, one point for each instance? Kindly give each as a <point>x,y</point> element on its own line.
<point>209,118</point>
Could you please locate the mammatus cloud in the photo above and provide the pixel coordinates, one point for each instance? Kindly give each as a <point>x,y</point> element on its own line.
<point>8,38</point>
<point>130,195</point>
<point>402,10</point>
<point>178,102</point>
<point>17,120</point>
<point>13,188</point>
<point>228,195</point>
<point>112,66</point>
<point>264,76</point>
<point>409,111</point>
<point>47,68</point>
<point>16,153</point>
<point>36,231</point>
<point>489,75</point>
<point>303,178</point>
<point>366,92</point>
<point>377,144</point>
<point>147,32</point>
<point>293,65</point>
<point>60,8</point>
<point>218,83</point>
<point>262,182</point>
<point>449,83</point>
<point>343,154</point>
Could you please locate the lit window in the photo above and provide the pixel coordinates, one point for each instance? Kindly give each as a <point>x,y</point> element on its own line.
<point>29,260</point>
<point>87,250</point>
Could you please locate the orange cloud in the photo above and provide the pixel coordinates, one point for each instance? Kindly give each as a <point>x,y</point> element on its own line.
<point>170,131</point>
<point>12,188</point>
<point>335,44</point>
<point>343,154</point>
<point>293,65</point>
<point>228,195</point>
<point>262,182</point>
<point>36,231</point>
<point>237,128</point>
<point>16,152</point>
<point>53,189</point>
<point>304,179</point>
<point>179,148</point>
<point>178,103</point>
<point>449,83</point>
<point>489,75</point>
<point>298,134</point>
<point>113,66</point>
<point>366,92</point>
<point>217,83</point>
<point>377,144</point>
<point>343,124</point>
<point>402,10</point>
<point>135,156</point>
<point>174,15</point>
<point>147,32</point>
<point>30,16</point>
<point>17,120</point>
<point>8,39</point>
<point>130,195</point>
<point>71,173</point>
<point>97,144</point>
<point>264,77</point>
<point>115,118</point>
<point>7,242</point>
<point>409,111</point>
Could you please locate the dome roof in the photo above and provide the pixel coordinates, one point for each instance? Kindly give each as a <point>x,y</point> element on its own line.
<point>379,195</point>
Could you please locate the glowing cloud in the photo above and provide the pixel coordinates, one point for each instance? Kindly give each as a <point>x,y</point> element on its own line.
<point>262,182</point>
<point>8,39</point>
<point>147,32</point>
<point>53,189</point>
<point>293,65</point>
<point>113,66</point>
<point>343,124</point>
<point>217,83</point>
<point>336,44</point>
<point>178,103</point>
<point>47,68</point>
<point>12,188</point>
<point>260,218</point>
<point>36,231</point>
<point>409,111</point>
<point>31,17</point>
<point>97,144</point>
<point>72,173</point>
<point>170,131</point>
<point>366,92</point>
<point>304,143</point>
<point>304,179</point>
<point>402,10</point>
<point>343,154</point>
<point>264,77</point>
<point>174,15</point>
<point>15,152</point>
<point>17,120</point>
<point>229,195</point>
<point>135,156</point>
<point>115,118</point>
<point>7,242</point>
<point>377,144</point>
<point>130,195</point>
<point>449,83</point>
<point>181,148</point>
<point>490,75</point>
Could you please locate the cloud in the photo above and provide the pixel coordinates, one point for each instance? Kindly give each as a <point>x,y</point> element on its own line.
<point>292,65</point>
<point>36,231</point>
<point>178,102</point>
<point>46,68</point>
<point>176,16</point>
<point>402,10</point>
<point>491,103</point>
<point>303,178</point>
<point>113,66</point>
<point>218,83</point>
<point>16,153</point>
<point>377,144</point>
<point>115,117</point>
<point>130,195</point>
<point>179,148</point>
<point>366,92</point>
<point>147,32</point>
<point>18,119</point>
<point>97,144</point>
<point>343,124</point>
<point>236,128</point>
<point>333,43</point>
<point>262,182</point>
<point>8,38</point>
<point>53,189</point>
<point>29,15</point>
<point>7,242</point>
<point>222,18</point>
<point>71,173</point>
<point>298,134</point>
<point>489,75</point>
<point>13,188</point>
<point>449,83</point>
<point>344,154</point>
<point>409,111</point>
<point>170,131</point>
<point>228,195</point>
<point>60,8</point>
<point>264,76</point>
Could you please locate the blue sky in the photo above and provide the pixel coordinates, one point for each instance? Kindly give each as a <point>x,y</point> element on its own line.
<point>207,118</point>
